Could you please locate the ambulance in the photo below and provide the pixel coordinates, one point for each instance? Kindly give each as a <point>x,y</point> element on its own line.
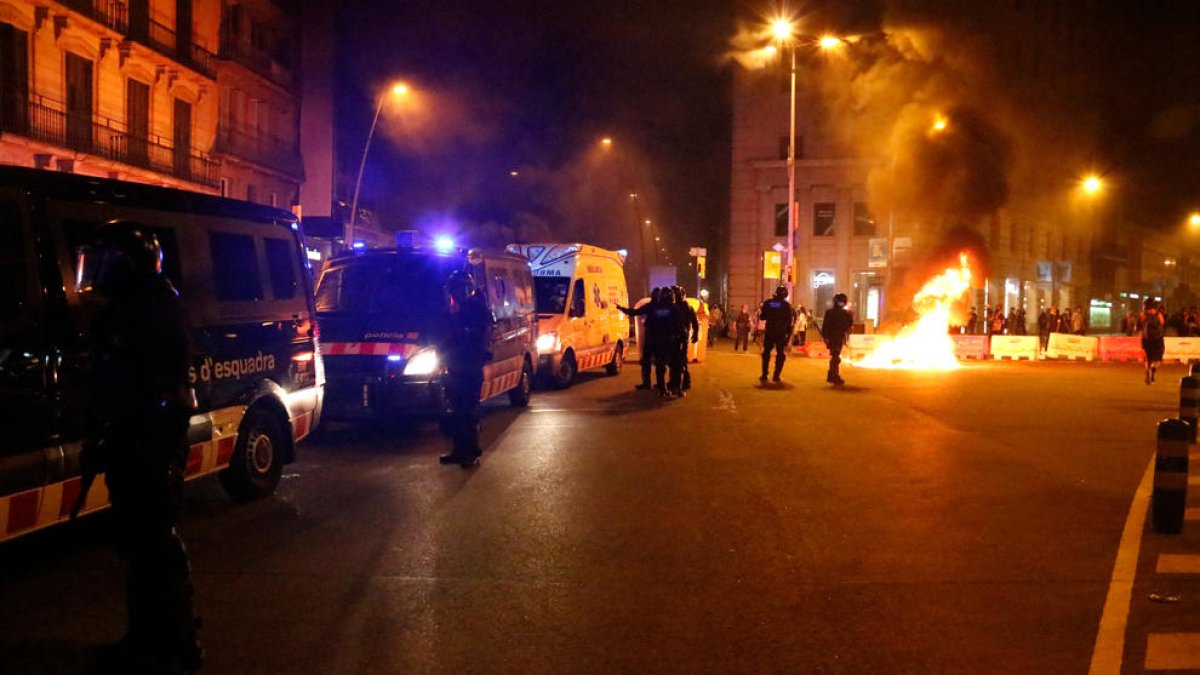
<point>577,289</point>
<point>243,277</point>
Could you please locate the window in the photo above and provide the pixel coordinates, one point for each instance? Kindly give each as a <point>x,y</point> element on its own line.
<point>864,224</point>
<point>226,186</point>
<point>14,269</point>
<point>235,267</point>
<point>14,78</point>
<point>824,216</point>
<point>281,268</point>
<point>182,137</point>
<point>251,193</point>
<point>79,103</point>
<point>578,299</point>
<point>137,121</point>
<point>781,220</point>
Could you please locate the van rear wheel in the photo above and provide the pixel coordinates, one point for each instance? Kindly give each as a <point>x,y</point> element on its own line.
<point>257,462</point>
<point>518,397</point>
<point>614,367</point>
<point>566,372</point>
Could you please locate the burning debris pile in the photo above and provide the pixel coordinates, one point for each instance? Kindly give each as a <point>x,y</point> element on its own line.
<point>925,344</point>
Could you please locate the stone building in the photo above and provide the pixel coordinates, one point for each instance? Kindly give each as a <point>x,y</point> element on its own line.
<point>194,94</point>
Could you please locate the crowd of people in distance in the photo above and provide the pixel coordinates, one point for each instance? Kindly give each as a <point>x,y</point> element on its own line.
<point>1183,322</point>
<point>670,326</point>
<point>748,326</point>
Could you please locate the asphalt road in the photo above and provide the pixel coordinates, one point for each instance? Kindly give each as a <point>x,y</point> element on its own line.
<point>963,522</point>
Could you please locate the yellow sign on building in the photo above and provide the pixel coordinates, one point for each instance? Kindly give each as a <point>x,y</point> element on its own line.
<point>772,260</point>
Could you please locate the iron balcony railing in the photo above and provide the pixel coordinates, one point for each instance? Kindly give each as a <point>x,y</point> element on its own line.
<point>48,121</point>
<point>234,48</point>
<point>111,13</point>
<point>262,150</point>
<point>158,36</point>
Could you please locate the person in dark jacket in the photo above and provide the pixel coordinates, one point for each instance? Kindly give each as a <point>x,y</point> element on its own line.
<point>779,320</point>
<point>690,334</point>
<point>647,339</point>
<point>741,326</point>
<point>835,329</point>
<point>141,402</point>
<point>662,327</point>
<point>464,350</point>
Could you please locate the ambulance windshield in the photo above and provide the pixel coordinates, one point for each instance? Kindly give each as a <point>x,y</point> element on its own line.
<point>551,294</point>
<point>406,289</point>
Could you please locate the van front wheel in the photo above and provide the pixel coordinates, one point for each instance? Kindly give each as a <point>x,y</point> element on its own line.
<point>257,462</point>
<point>614,367</point>
<point>565,374</point>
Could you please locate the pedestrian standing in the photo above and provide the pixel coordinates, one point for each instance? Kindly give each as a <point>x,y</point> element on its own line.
<point>716,319</point>
<point>802,325</point>
<point>464,351</point>
<point>1077,324</point>
<point>140,405</point>
<point>778,323</point>
<point>741,326</point>
<point>759,326</point>
<point>835,329</point>
<point>1153,330</point>
<point>1022,327</point>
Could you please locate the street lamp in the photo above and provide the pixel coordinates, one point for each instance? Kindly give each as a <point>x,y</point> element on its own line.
<point>1194,220</point>
<point>1092,185</point>
<point>784,32</point>
<point>398,89</point>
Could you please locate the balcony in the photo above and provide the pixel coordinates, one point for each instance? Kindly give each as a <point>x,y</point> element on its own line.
<point>48,122</point>
<point>265,151</point>
<point>161,38</point>
<point>256,59</point>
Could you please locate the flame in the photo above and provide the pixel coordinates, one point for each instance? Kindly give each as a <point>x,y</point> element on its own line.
<point>925,344</point>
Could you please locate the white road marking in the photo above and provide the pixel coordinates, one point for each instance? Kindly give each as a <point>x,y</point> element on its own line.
<point>726,404</point>
<point>1178,563</point>
<point>1173,651</point>
<point>1110,638</point>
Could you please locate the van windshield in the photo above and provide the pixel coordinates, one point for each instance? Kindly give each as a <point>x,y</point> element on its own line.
<point>551,294</point>
<point>406,289</point>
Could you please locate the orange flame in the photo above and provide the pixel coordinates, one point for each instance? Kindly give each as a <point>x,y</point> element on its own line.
<point>925,344</point>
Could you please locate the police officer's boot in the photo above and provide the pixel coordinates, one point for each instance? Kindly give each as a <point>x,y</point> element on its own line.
<point>778,367</point>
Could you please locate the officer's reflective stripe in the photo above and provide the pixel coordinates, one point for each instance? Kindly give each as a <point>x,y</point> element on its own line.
<point>405,349</point>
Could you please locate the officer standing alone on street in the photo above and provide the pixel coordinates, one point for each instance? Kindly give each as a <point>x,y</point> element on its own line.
<point>779,319</point>
<point>835,329</point>
<point>464,350</point>
<point>137,430</point>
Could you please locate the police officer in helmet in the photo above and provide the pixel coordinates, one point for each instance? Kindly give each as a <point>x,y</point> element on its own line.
<point>835,329</point>
<point>464,351</point>
<point>137,430</point>
<point>780,319</point>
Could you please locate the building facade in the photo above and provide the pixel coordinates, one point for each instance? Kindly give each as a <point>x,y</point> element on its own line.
<point>168,92</point>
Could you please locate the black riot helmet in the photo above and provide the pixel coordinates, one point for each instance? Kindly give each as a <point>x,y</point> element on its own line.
<point>781,292</point>
<point>655,294</point>
<point>120,255</point>
<point>840,300</point>
<point>460,285</point>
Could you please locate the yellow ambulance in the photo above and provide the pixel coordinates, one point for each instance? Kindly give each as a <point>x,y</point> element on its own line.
<point>577,288</point>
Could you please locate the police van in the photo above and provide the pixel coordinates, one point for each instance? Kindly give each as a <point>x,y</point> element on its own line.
<point>579,326</point>
<point>242,276</point>
<point>380,310</point>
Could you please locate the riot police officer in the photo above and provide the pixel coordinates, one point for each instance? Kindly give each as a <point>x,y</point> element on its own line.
<point>647,354</point>
<point>137,430</point>
<point>661,331</point>
<point>691,326</point>
<point>777,314</point>
<point>835,329</point>
<point>464,350</point>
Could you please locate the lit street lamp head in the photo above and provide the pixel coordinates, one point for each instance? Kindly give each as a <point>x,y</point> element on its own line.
<point>830,42</point>
<point>400,89</point>
<point>606,142</point>
<point>1092,185</point>
<point>1194,220</point>
<point>782,29</point>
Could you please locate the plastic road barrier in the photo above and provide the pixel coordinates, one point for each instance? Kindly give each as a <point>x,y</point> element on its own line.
<point>1067,346</point>
<point>1015,347</point>
<point>970,346</point>
<point>1182,349</point>
<point>860,345</point>
<point>1120,348</point>
<point>1189,404</point>
<point>1170,477</point>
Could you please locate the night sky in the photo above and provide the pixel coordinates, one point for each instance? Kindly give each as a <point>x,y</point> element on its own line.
<point>532,85</point>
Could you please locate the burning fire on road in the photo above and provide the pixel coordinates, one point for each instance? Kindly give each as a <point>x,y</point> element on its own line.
<point>925,344</point>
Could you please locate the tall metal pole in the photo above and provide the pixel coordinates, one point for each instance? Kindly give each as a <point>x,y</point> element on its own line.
<point>348,235</point>
<point>791,168</point>
<point>637,214</point>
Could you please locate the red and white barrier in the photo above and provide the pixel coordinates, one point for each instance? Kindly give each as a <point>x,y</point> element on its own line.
<point>1120,348</point>
<point>1067,346</point>
<point>1015,347</point>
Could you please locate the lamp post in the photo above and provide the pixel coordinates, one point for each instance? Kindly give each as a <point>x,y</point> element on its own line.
<point>398,89</point>
<point>784,33</point>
